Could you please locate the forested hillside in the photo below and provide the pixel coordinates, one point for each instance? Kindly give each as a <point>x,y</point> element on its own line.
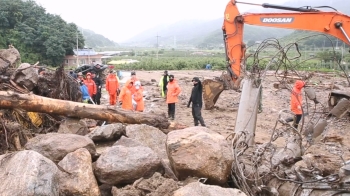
<point>39,36</point>
<point>93,40</point>
<point>199,34</point>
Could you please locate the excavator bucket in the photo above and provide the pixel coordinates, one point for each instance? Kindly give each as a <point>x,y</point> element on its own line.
<point>213,88</point>
<point>211,92</point>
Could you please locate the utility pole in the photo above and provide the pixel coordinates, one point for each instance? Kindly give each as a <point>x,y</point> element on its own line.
<point>157,45</point>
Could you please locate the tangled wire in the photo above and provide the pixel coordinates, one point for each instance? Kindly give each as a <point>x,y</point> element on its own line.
<point>253,167</point>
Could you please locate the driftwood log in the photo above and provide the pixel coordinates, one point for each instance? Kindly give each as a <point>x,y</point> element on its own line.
<point>35,103</point>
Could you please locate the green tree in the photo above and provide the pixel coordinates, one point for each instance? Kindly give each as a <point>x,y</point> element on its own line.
<point>39,36</point>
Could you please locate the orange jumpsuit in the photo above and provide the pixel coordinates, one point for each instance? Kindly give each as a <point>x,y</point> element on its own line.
<point>112,85</point>
<point>90,84</point>
<point>131,80</point>
<point>126,97</point>
<point>138,97</point>
<point>296,97</point>
<point>173,92</point>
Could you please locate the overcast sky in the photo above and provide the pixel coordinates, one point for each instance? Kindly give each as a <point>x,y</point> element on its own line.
<point>120,20</point>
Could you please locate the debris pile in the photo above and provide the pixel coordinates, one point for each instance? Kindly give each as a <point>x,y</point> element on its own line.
<point>35,103</point>
<point>18,125</point>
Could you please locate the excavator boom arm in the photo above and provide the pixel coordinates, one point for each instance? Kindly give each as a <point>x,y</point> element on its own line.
<point>301,18</point>
<point>332,23</point>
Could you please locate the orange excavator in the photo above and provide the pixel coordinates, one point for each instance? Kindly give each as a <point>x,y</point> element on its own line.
<point>300,18</point>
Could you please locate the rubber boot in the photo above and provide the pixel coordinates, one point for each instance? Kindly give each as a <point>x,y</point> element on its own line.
<point>169,115</point>
<point>172,115</point>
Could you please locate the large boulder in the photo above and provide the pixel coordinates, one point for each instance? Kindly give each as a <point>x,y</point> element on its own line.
<point>124,141</point>
<point>199,152</point>
<point>55,146</point>
<point>77,177</point>
<point>197,188</point>
<point>28,173</point>
<point>26,76</point>
<point>75,126</point>
<point>148,136</point>
<point>154,139</point>
<point>107,133</point>
<point>8,58</point>
<point>122,164</point>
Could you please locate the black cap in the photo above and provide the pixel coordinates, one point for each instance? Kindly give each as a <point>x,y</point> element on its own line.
<point>133,73</point>
<point>196,79</point>
<point>93,72</point>
<point>171,76</point>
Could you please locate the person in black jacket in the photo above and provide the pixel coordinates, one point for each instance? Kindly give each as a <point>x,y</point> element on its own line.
<point>98,82</point>
<point>196,99</point>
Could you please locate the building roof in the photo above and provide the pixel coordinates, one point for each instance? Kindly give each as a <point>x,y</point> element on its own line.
<point>122,61</point>
<point>85,52</point>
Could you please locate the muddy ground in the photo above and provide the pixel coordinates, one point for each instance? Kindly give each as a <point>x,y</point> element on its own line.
<point>222,118</point>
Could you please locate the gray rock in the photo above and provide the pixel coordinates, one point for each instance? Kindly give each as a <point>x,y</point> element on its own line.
<point>148,136</point>
<point>74,126</point>
<point>55,146</point>
<point>154,139</point>
<point>199,152</point>
<point>78,177</point>
<point>26,76</point>
<point>120,164</point>
<point>28,173</point>
<point>127,142</point>
<point>107,133</point>
<point>197,188</point>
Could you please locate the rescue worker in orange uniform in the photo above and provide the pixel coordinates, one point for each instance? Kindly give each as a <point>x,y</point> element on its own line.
<point>138,97</point>
<point>112,86</point>
<point>132,79</point>
<point>126,96</point>
<point>172,96</point>
<point>90,84</point>
<point>296,102</point>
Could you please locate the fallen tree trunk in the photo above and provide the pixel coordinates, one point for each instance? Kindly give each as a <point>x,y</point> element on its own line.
<point>34,103</point>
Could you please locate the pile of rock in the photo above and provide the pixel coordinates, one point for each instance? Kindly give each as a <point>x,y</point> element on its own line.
<point>142,161</point>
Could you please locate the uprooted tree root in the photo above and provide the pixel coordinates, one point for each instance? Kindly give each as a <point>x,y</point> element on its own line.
<point>18,126</point>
